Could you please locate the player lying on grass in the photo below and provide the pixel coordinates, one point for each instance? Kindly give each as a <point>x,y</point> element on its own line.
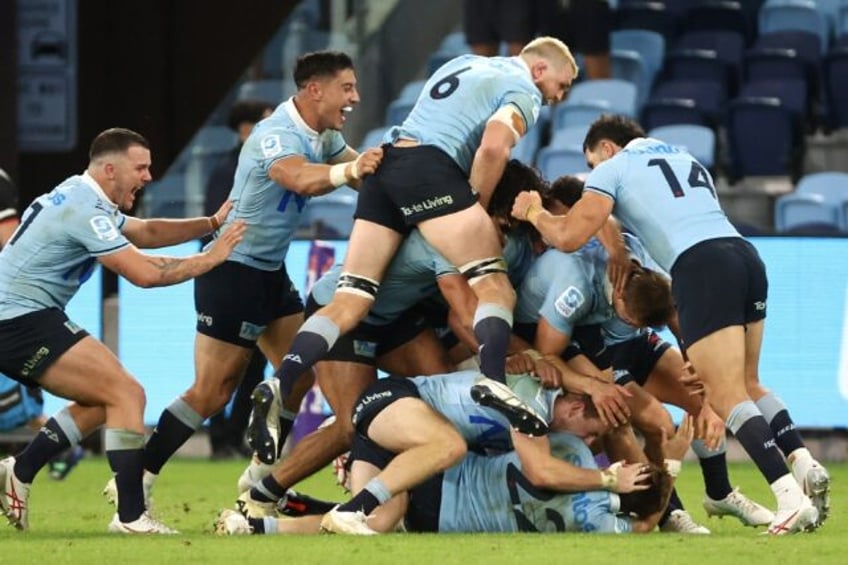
<point>497,493</point>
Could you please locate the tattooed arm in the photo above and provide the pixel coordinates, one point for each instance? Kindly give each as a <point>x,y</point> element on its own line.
<point>149,271</point>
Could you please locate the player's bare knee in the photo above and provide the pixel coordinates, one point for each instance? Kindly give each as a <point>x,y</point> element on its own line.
<point>355,294</point>
<point>127,394</point>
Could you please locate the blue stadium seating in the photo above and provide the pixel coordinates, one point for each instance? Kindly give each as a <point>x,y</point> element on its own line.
<point>628,65</point>
<point>800,213</point>
<point>579,113</point>
<point>619,95</point>
<point>652,16</point>
<point>693,101</point>
<point>207,147</point>
<point>763,136</point>
<point>569,137</point>
<point>554,162</point>
<point>649,44</point>
<point>713,16</point>
<point>784,15</point>
<point>699,141</point>
<point>728,46</point>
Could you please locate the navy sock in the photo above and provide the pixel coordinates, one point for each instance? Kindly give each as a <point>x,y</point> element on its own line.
<point>257,525</point>
<point>268,490</point>
<point>364,501</point>
<point>50,441</point>
<point>716,481</point>
<point>177,423</point>
<point>751,430</point>
<point>127,466</point>
<point>492,328</point>
<point>756,437</point>
<point>777,415</point>
<point>315,338</point>
<point>674,503</point>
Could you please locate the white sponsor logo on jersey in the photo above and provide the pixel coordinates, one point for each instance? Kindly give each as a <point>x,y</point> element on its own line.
<point>569,301</point>
<point>103,228</point>
<point>271,145</point>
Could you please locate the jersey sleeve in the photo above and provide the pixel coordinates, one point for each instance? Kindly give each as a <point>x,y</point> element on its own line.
<point>528,105</point>
<point>568,300</point>
<point>606,178</point>
<point>278,143</point>
<point>334,145</point>
<point>96,230</point>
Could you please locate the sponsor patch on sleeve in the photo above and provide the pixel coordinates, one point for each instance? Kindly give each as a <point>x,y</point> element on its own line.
<point>104,228</point>
<point>569,301</point>
<point>271,145</point>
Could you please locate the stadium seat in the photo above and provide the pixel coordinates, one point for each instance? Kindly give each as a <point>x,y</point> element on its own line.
<point>762,136</point>
<point>708,98</point>
<point>804,47</point>
<point>720,15</point>
<point>792,94</point>
<point>553,162</point>
<point>660,112</point>
<point>579,113</point>
<point>842,20</point>
<point>701,65</point>
<point>836,85</point>
<point>628,65</point>
<point>799,15</point>
<point>801,213</point>
<point>569,137</point>
<point>652,16</point>
<point>833,185</point>
<point>699,141</point>
<point>729,47</point>
<point>649,44</point>
<point>620,95</point>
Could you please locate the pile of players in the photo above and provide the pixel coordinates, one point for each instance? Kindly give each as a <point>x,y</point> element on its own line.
<point>458,258</point>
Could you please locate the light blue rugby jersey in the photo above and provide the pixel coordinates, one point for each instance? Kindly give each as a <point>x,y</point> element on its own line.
<point>410,277</point>
<point>456,102</point>
<point>55,248</point>
<point>271,211</point>
<point>571,289</point>
<point>664,196</point>
<point>490,494</point>
<point>481,427</point>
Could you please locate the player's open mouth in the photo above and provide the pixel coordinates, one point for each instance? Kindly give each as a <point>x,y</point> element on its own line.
<point>346,110</point>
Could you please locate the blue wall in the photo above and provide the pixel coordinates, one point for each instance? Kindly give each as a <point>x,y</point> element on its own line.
<point>805,354</point>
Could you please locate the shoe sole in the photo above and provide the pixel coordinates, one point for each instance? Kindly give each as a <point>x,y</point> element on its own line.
<point>520,419</point>
<point>258,435</point>
<point>718,513</point>
<point>819,492</point>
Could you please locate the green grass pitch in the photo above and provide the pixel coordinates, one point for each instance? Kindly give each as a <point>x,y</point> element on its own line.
<point>68,525</point>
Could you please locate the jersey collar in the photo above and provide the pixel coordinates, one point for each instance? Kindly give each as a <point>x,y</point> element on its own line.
<point>295,116</point>
<point>95,186</point>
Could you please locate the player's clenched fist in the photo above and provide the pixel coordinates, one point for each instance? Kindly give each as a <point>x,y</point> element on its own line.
<point>367,162</point>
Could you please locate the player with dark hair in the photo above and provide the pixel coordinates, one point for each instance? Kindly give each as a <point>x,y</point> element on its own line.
<point>665,197</point>
<point>54,250</point>
<point>296,153</point>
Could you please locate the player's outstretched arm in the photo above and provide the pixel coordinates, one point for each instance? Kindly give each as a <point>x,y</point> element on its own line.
<point>546,471</point>
<point>162,232</point>
<point>149,271</point>
<point>569,232</point>
<point>297,174</point>
<point>503,130</point>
